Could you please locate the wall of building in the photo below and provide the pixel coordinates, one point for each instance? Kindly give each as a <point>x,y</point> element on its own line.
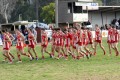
<point>112,2</point>
<point>96,18</point>
<point>63,14</point>
<point>118,15</point>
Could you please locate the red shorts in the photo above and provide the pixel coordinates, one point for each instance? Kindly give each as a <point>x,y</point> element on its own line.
<point>57,44</point>
<point>114,41</point>
<point>74,46</point>
<point>19,47</point>
<point>54,43</point>
<point>109,41</point>
<point>31,46</point>
<point>44,45</point>
<point>98,41</point>
<point>6,46</point>
<point>10,44</point>
<point>61,44</point>
<point>85,43</point>
<point>90,42</point>
<point>80,43</point>
<point>67,45</point>
<point>71,42</point>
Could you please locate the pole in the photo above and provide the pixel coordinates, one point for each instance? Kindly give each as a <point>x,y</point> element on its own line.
<point>56,13</point>
<point>20,17</point>
<point>36,9</point>
<point>68,24</point>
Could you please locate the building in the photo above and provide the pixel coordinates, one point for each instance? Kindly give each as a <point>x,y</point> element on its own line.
<point>104,15</point>
<point>111,2</point>
<point>71,11</point>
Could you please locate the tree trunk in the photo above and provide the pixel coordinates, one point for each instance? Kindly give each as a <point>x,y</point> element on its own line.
<point>6,17</point>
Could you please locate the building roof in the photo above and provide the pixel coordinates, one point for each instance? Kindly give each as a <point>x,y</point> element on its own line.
<point>76,0</point>
<point>108,8</point>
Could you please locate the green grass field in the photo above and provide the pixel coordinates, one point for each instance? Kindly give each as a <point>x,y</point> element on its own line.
<point>98,67</point>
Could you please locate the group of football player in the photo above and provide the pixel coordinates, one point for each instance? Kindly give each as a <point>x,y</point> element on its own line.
<point>77,42</point>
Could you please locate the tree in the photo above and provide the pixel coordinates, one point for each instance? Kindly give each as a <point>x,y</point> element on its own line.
<point>99,1</point>
<point>25,10</point>
<point>11,9</point>
<point>6,7</point>
<point>48,13</point>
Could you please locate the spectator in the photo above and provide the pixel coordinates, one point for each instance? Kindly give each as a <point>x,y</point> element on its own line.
<point>35,34</point>
<point>102,28</point>
<point>114,21</point>
<point>106,26</point>
<point>117,24</point>
<point>88,23</point>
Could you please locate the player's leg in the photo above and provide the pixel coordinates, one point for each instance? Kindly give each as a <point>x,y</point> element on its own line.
<point>116,48</point>
<point>58,51</point>
<point>45,50</point>
<point>35,53</point>
<point>74,53</point>
<point>92,46</point>
<point>74,50</point>
<point>4,54</point>
<point>102,48</point>
<point>66,52</point>
<point>52,51</point>
<point>96,43</point>
<point>11,55</point>
<point>82,52</point>
<point>87,50</point>
<point>25,54</point>
<point>70,50</point>
<point>29,51</point>
<point>7,54</point>
<point>63,51</point>
<point>42,52</point>
<point>113,47</point>
<point>109,46</point>
<point>18,55</point>
<point>78,52</point>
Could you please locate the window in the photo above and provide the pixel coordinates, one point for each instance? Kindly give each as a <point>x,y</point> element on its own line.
<point>70,7</point>
<point>77,9</point>
<point>85,11</point>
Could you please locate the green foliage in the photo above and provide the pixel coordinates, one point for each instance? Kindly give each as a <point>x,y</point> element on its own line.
<point>26,10</point>
<point>48,13</point>
<point>99,1</point>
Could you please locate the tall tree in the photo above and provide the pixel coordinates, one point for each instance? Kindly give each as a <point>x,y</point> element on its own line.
<point>6,7</point>
<point>25,9</point>
<point>11,9</point>
<point>48,13</point>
